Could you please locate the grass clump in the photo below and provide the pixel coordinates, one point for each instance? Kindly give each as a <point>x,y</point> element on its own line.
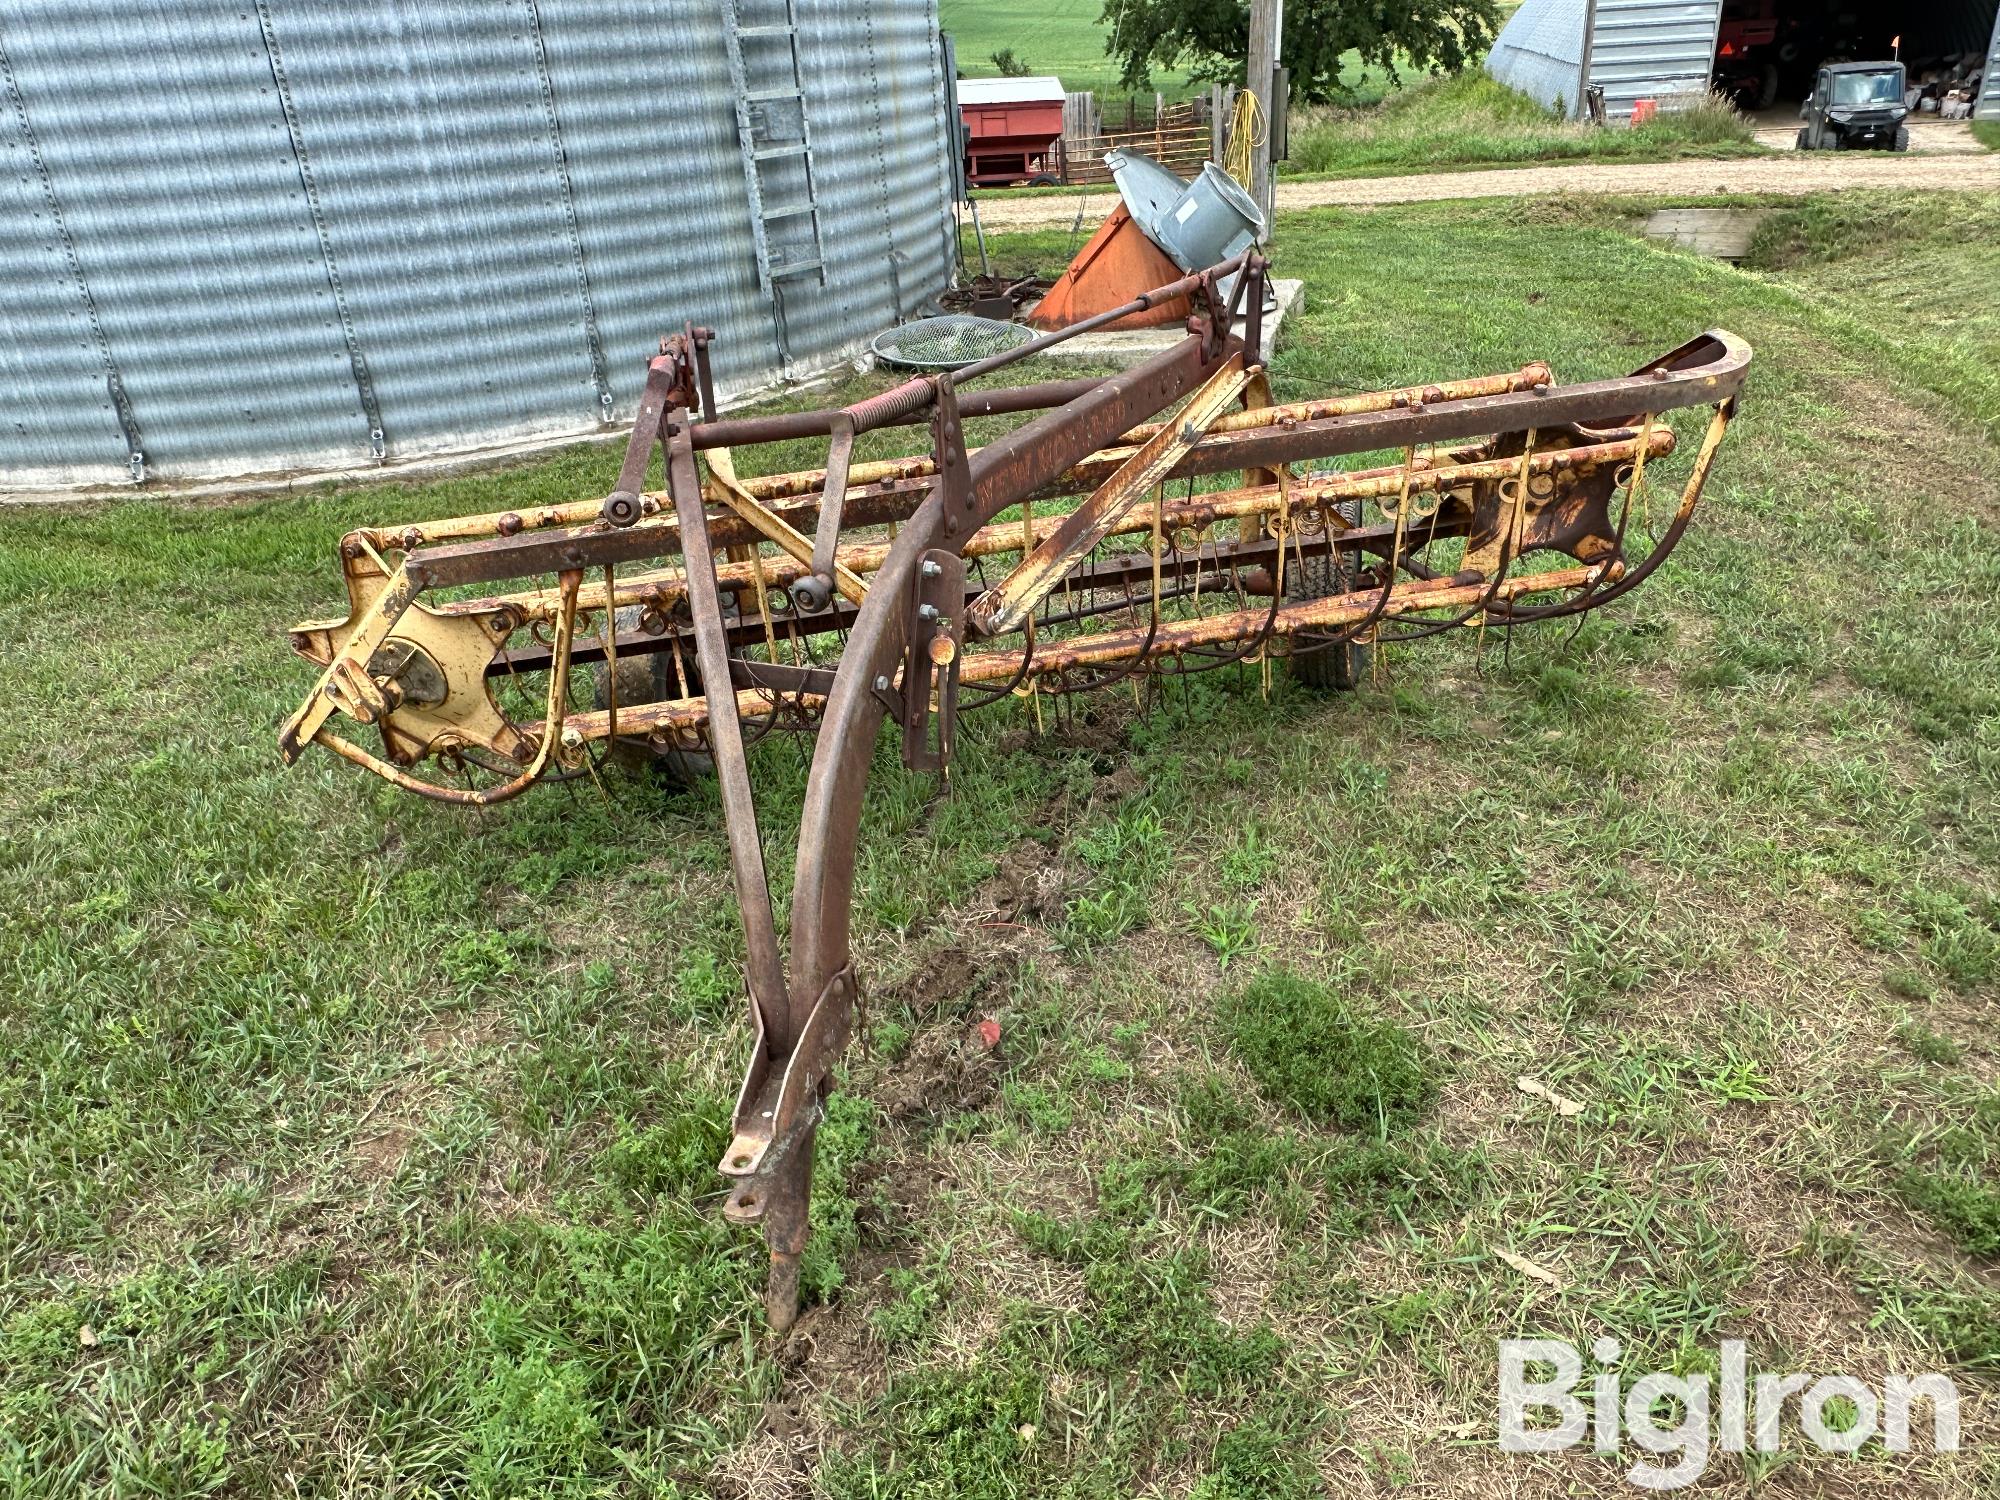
<point>1258,1460</point>
<point>1926,1045</point>
<point>965,1433</point>
<point>1372,1182</point>
<point>1227,1161</point>
<point>1474,120</point>
<point>1966,1209</point>
<point>1965,1322</point>
<point>1310,1052</point>
<point>1946,1171</point>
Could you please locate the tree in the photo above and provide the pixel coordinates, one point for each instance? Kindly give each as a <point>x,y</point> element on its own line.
<point>1009,65</point>
<point>1211,37</point>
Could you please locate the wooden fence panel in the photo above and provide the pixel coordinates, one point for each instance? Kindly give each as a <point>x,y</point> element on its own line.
<point>1179,137</point>
<point>1080,119</point>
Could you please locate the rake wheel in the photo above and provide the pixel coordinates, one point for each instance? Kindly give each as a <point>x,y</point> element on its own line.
<point>1328,662</point>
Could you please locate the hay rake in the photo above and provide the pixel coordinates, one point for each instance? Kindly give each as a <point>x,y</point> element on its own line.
<point>833,599</point>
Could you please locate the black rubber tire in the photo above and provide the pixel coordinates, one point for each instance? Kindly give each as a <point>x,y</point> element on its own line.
<point>1902,137</point>
<point>1767,87</point>
<point>1340,669</point>
<point>642,679</point>
<point>1043,179</point>
<point>1805,139</point>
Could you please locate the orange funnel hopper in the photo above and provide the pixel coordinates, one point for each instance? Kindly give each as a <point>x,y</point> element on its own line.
<point>1117,265</point>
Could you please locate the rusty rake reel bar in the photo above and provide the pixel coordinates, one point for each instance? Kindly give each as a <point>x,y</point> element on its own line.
<point>1170,518</point>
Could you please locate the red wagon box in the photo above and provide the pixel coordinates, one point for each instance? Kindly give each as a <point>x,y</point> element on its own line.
<point>1011,128</point>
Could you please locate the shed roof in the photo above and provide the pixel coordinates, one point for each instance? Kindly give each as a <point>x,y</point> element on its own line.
<point>1042,89</point>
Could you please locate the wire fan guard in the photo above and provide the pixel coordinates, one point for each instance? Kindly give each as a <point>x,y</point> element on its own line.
<point>949,342</point>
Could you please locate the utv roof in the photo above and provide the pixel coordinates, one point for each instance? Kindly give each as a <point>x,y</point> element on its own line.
<point>1862,67</point>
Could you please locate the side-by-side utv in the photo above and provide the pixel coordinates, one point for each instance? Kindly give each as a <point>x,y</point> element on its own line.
<point>1856,106</point>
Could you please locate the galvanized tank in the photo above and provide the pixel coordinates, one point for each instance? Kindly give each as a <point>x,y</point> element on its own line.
<point>1213,220</point>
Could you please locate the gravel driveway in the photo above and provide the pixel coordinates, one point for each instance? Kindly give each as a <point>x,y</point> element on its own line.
<point>1791,176</point>
<point>1926,135</point>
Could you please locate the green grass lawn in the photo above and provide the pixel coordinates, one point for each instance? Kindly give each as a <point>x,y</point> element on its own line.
<point>1926,264</point>
<point>358,1146</point>
<point>1063,37</point>
<point>1066,38</point>
<point>1472,120</point>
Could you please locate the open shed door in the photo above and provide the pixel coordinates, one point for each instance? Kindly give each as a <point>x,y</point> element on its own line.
<point>1651,49</point>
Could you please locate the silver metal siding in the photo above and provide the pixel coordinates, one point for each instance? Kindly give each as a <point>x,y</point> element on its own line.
<point>468,220</point>
<point>181,198</point>
<point>426,129</point>
<point>874,78</point>
<point>649,132</point>
<point>1652,49</point>
<point>1988,107</point>
<point>60,428</point>
<point>1540,52</point>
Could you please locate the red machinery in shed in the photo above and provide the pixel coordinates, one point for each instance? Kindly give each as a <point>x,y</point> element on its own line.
<point>1012,126</point>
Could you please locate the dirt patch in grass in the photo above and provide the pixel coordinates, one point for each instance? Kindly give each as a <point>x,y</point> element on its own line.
<point>1099,723</point>
<point>459,1039</point>
<point>1031,885</point>
<point>380,1156</point>
<point>778,1462</point>
<point>951,1068</point>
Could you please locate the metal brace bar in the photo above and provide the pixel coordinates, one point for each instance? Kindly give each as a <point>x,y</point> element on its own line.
<point>1004,606</point>
<point>764,971</point>
<point>774,527</point>
<point>337,684</point>
<point>666,386</point>
<point>814,590</point>
<point>930,661</point>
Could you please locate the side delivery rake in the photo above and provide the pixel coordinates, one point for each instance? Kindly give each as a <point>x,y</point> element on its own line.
<point>1167,519</point>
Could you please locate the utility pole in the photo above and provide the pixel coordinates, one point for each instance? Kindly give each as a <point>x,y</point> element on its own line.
<point>1267,19</point>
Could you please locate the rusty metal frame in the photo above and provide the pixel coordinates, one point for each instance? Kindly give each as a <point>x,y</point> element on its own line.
<point>1514,464</point>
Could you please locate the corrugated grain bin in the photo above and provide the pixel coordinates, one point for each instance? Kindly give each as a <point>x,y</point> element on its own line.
<point>283,238</point>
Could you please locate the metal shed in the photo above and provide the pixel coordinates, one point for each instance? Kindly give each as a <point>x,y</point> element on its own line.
<point>1653,49</point>
<point>287,236</point>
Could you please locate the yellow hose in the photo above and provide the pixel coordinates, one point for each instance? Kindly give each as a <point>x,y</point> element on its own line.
<point>1247,131</point>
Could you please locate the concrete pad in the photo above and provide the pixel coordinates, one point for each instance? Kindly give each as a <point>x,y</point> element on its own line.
<point>1129,346</point>
<point>1721,233</point>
